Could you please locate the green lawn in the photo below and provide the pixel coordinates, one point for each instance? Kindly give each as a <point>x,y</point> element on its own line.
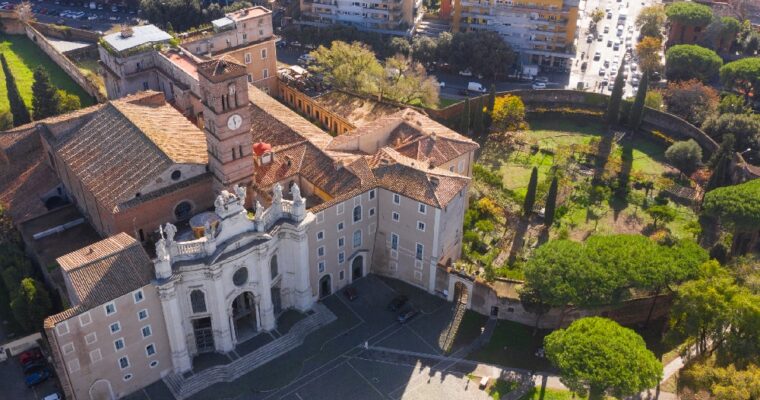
<point>469,328</point>
<point>4,105</point>
<point>513,345</point>
<point>23,56</point>
<point>551,394</point>
<point>444,102</point>
<point>89,68</point>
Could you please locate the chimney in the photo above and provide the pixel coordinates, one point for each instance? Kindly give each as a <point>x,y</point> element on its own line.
<point>127,32</point>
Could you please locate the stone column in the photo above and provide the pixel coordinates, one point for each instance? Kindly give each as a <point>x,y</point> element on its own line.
<point>302,285</point>
<point>266,308</point>
<point>174,327</point>
<point>219,312</point>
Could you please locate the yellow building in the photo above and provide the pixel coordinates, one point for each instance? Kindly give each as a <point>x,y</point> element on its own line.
<point>542,31</point>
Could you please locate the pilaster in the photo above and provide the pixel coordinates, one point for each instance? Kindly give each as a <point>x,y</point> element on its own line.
<point>173,318</point>
<point>220,316</point>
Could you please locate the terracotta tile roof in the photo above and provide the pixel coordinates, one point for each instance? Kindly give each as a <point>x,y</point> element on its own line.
<point>354,109</point>
<point>52,320</point>
<point>221,69</point>
<point>106,270</point>
<point>125,145</point>
<point>23,182</point>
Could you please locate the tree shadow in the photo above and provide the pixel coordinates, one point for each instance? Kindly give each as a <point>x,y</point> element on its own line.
<point>602,154</point>
<point>543,236</point>
<point>620,202</point>
<point>519,239</point>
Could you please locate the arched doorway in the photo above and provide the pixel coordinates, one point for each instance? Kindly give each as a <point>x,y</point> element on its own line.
<point>357,268</point>
<point>244,316</point>
<point>325,286</point>
<point>101,390</point>
<point>461,294</point>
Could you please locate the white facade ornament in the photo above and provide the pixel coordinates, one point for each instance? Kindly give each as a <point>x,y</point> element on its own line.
<point>207,230</point>
<point>161,251</point>
<point>170,230</point>
<point>276,194</point>
<point>240,192</point>
<point>296,192</point>
<point>219,203</point>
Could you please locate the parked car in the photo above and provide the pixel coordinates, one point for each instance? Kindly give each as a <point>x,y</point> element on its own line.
<point>538,85</point>
<point>53,396</point>
<point>351,294</point>
<point>406,315</point>
<point>597,56</point>
<point>602,72</point>
<point>31,367</point>
<point>397,303</point>
<point>441,84</point>
<point>475,87</point>
<point>589,38</point>
<point>466,72</point>
<point>37,377</point>
<point>541,79</point>
<point>30,356</point>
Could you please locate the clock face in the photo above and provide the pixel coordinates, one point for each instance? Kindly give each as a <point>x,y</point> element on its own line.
<point>234,121</point>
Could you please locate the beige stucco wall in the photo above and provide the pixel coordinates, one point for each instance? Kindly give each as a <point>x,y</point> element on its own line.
<point>108,369</point>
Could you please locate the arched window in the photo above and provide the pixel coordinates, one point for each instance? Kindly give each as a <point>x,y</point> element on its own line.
<point>182,210</point>
<point>273,266</point>
<point>357,213</point>
<point>357,238</point>
<point>198,301</point>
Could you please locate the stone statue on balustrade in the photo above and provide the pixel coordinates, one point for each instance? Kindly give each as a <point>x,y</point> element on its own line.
<point>240,192</point>
<point>277,194</point>
<point>161,252</point>
<point>170,231</point>
<point>296,192</point>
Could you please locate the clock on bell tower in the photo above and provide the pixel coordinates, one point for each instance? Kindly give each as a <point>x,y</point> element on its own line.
<point>227,121</point>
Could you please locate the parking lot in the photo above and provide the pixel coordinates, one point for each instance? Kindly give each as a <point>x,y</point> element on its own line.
<point>333,362</point>
<point>12,378</point>
<point>89,15</point>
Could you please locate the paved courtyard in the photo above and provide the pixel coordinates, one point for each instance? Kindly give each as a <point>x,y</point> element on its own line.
<point>405,361</point>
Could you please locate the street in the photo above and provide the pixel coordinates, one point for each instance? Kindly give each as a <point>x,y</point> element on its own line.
<point>103,19</point>
<point>610,43</point>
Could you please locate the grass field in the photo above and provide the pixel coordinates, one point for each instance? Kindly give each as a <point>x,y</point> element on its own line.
<point>551,394</point>
<point>513,345</point>
<point>23,57</point>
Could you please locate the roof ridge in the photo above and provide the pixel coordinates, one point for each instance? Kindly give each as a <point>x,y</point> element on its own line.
<point>121,246</point>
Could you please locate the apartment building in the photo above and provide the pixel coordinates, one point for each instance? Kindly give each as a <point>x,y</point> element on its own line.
<point>541,31</point>
<point>396,17</point>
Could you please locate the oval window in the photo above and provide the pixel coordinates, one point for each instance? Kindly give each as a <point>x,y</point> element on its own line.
<point>240,277</point>
<point>182,210</point>
<point>176,175</point>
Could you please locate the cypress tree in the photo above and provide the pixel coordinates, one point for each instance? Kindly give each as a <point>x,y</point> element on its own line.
<point>530,196</point>
<point>46,102</point>
<point>721,164</point>
<point>18,108</point>
<point>613,107</point>
<point>464,126</point>
<point>551,203</point>
<point>478,116</point>
<point>637,109</point>
<point>491,97</point>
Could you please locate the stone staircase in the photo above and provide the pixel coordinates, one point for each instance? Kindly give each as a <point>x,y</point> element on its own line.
<point>182,387</point>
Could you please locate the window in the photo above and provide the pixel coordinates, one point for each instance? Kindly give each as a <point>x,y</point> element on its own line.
<point>265,73</point>
<point>150,349</point>
<point>342,275</point>
<point>396,216</point>
<point>320,235</point>
<point>394,241</point>
<point>461,166</point>
<point>240,277</point>
<point>273,267</point>
<point>372,194</point>
<point>85,319</point>
<point>340,226</point>
<point>139,296</point>
<point>341,242</point>
<point>357,214</point>
<point>183,209</point>
<point>74,365</point>
<point>95,356</point>
<point>145,85</point>
<point>396,199</point>
<point>422,208</point>
<point>110,308</point>
<point>115,327</point>
<point>320,217</point>
<point>146,331</point>
<point>321,251</point>
<point>176,175</point>
<point>321,267</point>
<point>142,314</point>
<point>263,54</point>
<point>67,348</point>
<point>127,377</point>
<point>118,344</point>
<point>339,209</point>
<point>247,58</point>
<point>124,362</point>
<point>153,364</point>
<point>420,226</point>
<point>357,238</point>
<point>250,79</point>
<point>420,252</point>
<point>371,212</point>
<point>198,301</point>
<point>341,257</point>
<point>245,36</point>
<point>91,338</point>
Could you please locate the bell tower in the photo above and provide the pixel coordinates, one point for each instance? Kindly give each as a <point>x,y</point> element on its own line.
<point>227,122</point>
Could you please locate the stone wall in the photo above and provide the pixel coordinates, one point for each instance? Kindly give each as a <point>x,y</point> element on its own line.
<point>10,24</point>
<point>66,33</point>
<point>64,62</point>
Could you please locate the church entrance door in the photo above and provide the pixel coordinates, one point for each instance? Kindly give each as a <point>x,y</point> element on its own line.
<point>325,286</point>
<point>204,335</point>
<point>244,315</point>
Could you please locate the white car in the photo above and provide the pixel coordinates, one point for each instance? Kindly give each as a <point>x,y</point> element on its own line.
<point>442,84</point>
<point>538,85</point>
<point>466,72</point>
<point>542,79</point>
<point>602,72</point>
<point>606,29</point>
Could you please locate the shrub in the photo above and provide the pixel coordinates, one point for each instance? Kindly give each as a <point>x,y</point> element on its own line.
<point>685,155</point>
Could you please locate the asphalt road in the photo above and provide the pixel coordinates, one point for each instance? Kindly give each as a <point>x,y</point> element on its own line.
<point>106,19</point>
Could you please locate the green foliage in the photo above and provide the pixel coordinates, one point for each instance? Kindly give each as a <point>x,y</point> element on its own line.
<point>69,102</point>
<point>637,110</point>
<point>551,203</point>
<point>31,304</point>
<point>530,195</point>
<point>181,14</point>
<point>237,5</point>
<point>721,164</point>
<point>744,127</point>
<point>742,75</point>
<point>733,104</point>
<point>483,52</point>
<point>689,13</point>
<point>599,271</point>
<point>685,155</point>
<point>737,206</point>
<point>596,356</point>
<point>18,108</point>
<point>478,117</point>
<point>651,20</point>
<point>722,382</point>
<point>687,61</point>
<point>46,101</point>
<point>6,120</point>
<point>508,113</point>
<point>661,213</point>
<point>691,100</point>
<point>654,99</point>
<point>401,45</point>
<point>464,121</point>
<point>613,107</point>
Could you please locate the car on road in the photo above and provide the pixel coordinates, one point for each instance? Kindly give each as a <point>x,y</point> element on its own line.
<point>538,85</point>
<point>53,396</point>
<point>30,356</point>
<point>406,315</point>
<point>609,43</point>
<point>604,83</point>
<point>113,18</point>
<point>31,367</point>
<point>602,72</point>
<point>475,87</point>
<point>616,46</point>
<point>589,38</point>
<point>37,377</point>
<point>397,302</point>
<point>351,294</point>
<point>606,63</point>
<point>597,56</point>
<point>541,79</point>
<point>606,29</point>
<point>609,15</point>
<point>465,72</point>
<point>441,84</point>
<point>600,38</point>
<point>634,81</point>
